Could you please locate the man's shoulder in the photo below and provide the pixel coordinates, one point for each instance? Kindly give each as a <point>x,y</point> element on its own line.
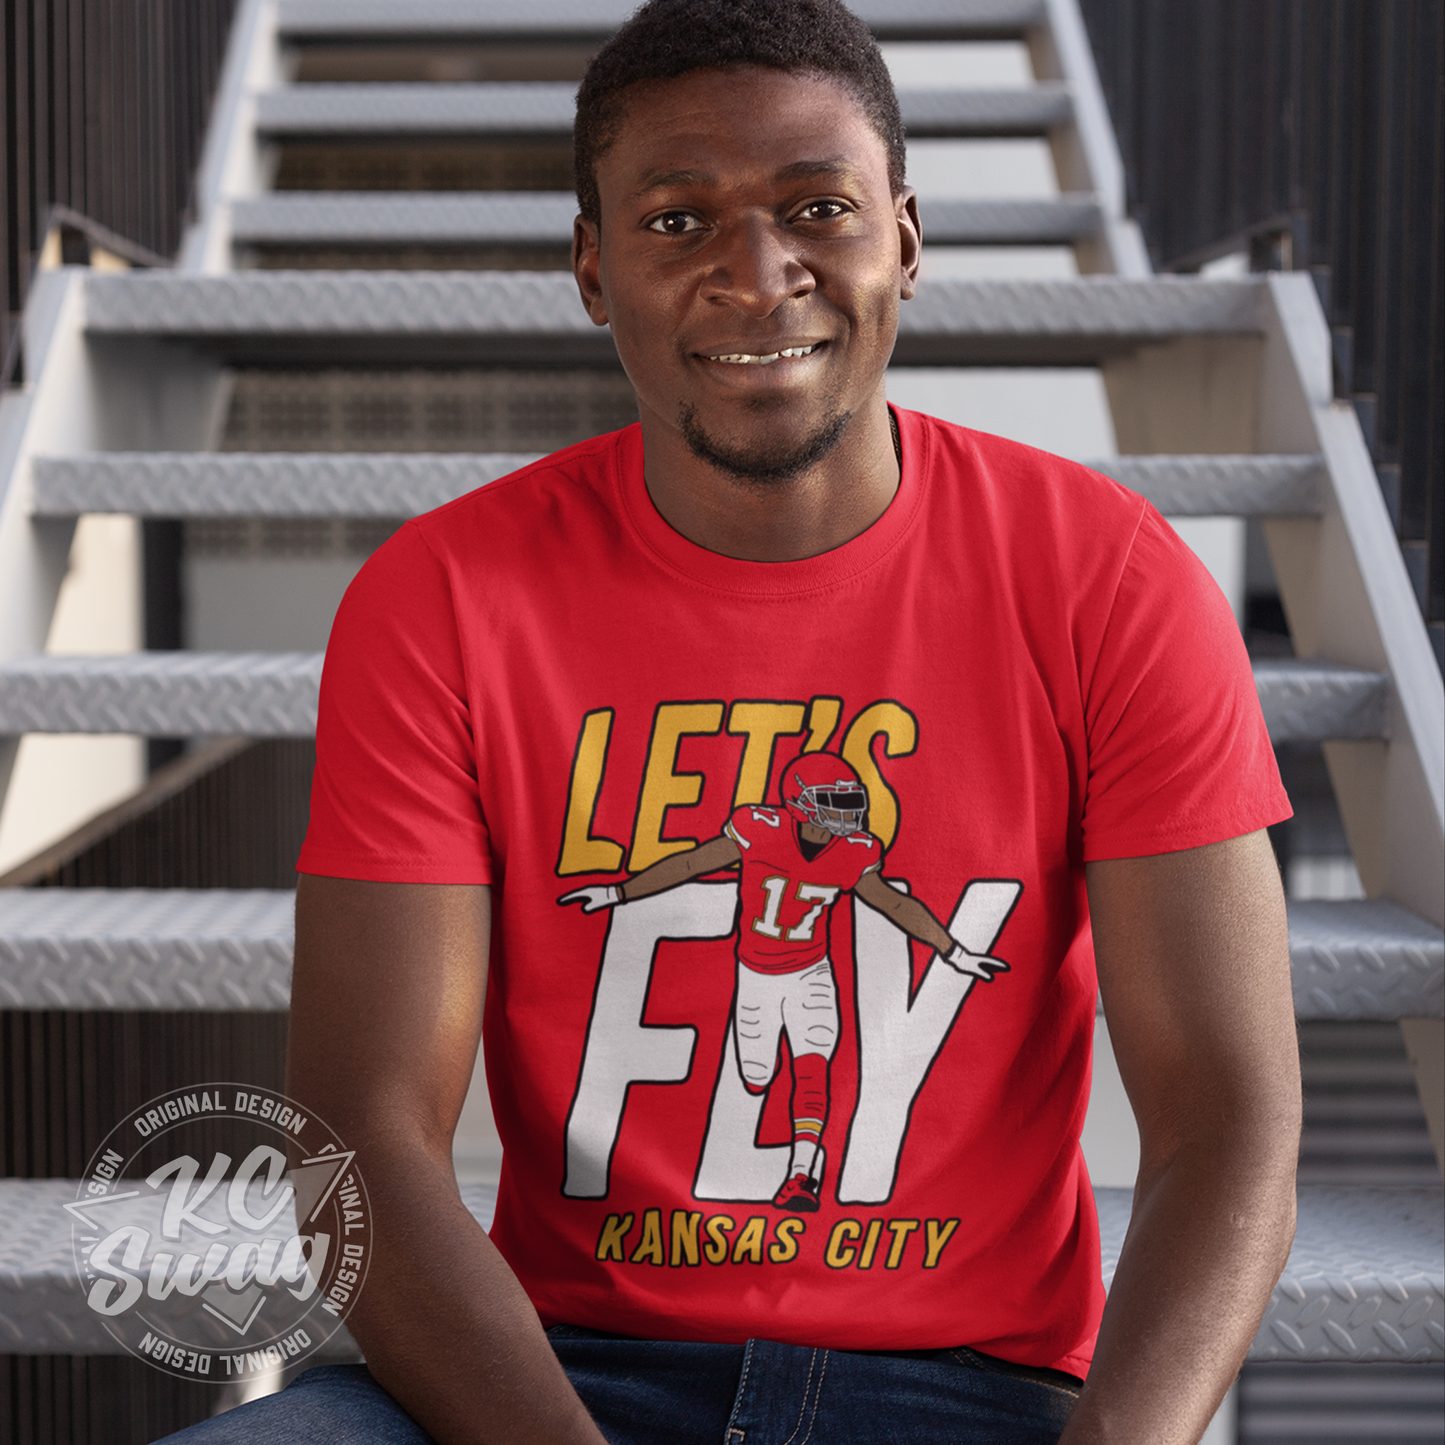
<point>755,822</point>
<point>570,484</point>
<point>1013,476</point>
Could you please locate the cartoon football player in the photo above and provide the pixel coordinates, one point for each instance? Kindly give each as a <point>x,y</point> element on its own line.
<point>794,869</point>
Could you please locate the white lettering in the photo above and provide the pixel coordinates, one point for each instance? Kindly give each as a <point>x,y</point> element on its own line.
<point>103,1298</point>
<point>181,1204</point>
<point>899,1040</point>
<point>621,1050</point>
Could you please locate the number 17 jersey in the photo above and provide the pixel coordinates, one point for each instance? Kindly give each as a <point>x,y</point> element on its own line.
<point>787,897</point>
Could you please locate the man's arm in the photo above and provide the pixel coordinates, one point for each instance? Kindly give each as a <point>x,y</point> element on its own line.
<point>1193,960</point>
<point>918,922</point>
<point>386,1011</point>
<point>710,857</point>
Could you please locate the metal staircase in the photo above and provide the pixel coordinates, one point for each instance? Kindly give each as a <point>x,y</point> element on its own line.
<point>1221,395</point>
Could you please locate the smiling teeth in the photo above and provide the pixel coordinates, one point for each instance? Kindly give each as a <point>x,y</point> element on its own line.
<point>744,358</point>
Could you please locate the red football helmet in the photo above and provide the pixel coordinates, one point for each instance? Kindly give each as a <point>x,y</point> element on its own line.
<point>820,788</point>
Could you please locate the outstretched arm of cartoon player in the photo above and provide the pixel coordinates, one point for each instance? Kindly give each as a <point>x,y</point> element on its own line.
<point>916,921</point>
<point>720,852</point>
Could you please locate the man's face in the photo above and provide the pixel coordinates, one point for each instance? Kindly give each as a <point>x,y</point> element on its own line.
<point>750,262</point>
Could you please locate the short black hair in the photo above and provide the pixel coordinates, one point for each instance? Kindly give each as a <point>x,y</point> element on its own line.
<point>668,38</point>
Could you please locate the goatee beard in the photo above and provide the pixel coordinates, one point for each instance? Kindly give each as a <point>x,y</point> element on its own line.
<point>763,468</point>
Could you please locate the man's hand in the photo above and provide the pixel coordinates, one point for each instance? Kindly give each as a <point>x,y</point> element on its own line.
<point>386,1011</point>
<point>977,964</point>
<point>1193,958</point>
<point>593,900</point>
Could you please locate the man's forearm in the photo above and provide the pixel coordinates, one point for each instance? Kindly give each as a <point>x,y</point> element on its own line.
<point>446,1327</point>
<point>1209,1236</point>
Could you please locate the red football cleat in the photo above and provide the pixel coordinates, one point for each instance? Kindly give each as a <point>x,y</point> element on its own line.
<point>799,1193</point>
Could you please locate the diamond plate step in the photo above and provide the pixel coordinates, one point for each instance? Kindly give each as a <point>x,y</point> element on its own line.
<point>145,948</point>
<point>534,108</point>
<point>376,484</point>
<point>1365,1279</point>
<point>163,694</point>
<point>301,317</point>
<point>1223,486</point>
<point>258,484</point>
<point>360,20</point>
<point>258,694</point>
<point>104,948</point>
<point>1339,1298</point>
<point>1313,701</point>
<point>537,218</point>
<point>1365,960</point>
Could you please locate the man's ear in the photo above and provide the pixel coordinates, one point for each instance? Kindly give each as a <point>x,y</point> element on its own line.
<point>910,242</point>
<point>586,267</point>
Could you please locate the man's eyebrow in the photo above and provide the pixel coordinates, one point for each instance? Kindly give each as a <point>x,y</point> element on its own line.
<point>830,166</point>
<point>827,166</point>
<point>659,180</point>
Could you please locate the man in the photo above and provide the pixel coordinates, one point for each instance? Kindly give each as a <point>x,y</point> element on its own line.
<point>793,871</point>
<point>583,670</point>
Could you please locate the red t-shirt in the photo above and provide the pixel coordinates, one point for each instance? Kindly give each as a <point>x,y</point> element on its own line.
<point>543,686</point>
<point>785,897</point>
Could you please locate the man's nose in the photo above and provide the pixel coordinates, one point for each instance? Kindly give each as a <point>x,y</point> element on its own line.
<point>756,267</point>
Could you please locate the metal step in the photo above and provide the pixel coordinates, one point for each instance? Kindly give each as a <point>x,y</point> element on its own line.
<point>1339,1299</point>
<point>500,20</point>
<point>536,108</point>
<point>258,484</point>
<point>145,948</point>
<point>163,694</point>
<point>511,317</point>
<point>100,948</point>
<point>260,694</point>
<point>544,218</point>
<point>1223,486</point>
<point>1365,960</point>
<point>1313,701</point>
<point>374,484</point>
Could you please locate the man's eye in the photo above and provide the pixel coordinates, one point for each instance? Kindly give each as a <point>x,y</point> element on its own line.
<point>822,211</point>
<point>674,223</point>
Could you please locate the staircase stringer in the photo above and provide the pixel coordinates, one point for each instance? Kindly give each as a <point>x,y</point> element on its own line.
<point>1086,153</point>
<point>234,161</point>
<point>1348,598</point>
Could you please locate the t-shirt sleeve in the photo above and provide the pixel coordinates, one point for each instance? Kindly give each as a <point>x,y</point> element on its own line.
<point>736,828</point>
<point>1179,755</point>
<point>394,798</point>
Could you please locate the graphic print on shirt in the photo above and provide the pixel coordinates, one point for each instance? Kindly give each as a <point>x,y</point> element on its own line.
<point>796,859</point>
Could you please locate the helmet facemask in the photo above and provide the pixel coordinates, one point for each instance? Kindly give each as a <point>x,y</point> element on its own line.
<point>840,809</point>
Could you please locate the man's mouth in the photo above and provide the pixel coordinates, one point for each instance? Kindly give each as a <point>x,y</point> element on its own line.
<point>749,358</point>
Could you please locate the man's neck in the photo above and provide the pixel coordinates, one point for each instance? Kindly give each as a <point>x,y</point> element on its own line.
<point>835,500</point>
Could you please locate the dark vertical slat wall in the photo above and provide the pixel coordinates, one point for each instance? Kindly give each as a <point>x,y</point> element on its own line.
<point>1312,134</point>
<point>103,109</point>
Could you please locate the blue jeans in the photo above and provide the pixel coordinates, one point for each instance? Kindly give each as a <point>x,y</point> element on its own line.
<point>644,1392</point>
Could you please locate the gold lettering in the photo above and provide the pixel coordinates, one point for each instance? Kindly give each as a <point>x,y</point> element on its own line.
<point>823,715</point>
<point>870,1244</point>
<point>614,1231</point>
<point>715,1251</point>
<point>839,1254</point>
<point>762,723</point>
<point>901,1228</point>
<point>684,1236</point>
<point>581,852</point>
<point>899,728</point>
<point>749,1243</point>
<point>938,1232</point>
<point>649,1247</point>
<point>662,787</point>
<point>786,1233</point>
